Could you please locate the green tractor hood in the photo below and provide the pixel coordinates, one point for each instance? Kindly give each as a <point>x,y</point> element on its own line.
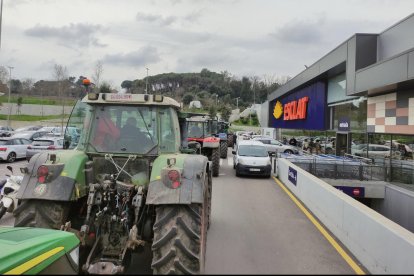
<point>26,250</point>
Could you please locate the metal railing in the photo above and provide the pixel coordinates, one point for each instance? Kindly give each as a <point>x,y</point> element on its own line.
<point>330,166</point>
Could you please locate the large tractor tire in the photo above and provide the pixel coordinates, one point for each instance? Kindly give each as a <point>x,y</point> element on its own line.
<point>209,195</point>
<point>41,214</point>
<point>223,149</point>
<point>180,233</point>
<point>230,140</point>
<point>215,158</point>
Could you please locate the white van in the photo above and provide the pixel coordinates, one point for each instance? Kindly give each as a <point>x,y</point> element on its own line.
<point>251,158</point>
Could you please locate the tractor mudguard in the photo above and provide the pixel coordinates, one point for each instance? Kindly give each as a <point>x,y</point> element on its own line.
<point>211,142</point>
<point>65,180</point>
<point>195,168</point>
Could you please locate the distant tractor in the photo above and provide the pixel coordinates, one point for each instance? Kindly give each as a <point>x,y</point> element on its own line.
<point>200,136</point>
<point>219,130</point>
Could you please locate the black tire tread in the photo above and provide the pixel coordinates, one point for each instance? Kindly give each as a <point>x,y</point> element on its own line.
<point>215,158</point>
<point>38,213</point>
<point>230,140</point>
<point>223,149</point>
<point>177,251</point>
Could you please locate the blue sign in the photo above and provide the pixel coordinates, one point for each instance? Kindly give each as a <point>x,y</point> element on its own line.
<point>292,175</point>
<point>352,191</point>
<point>303,109</point>
<point>344,124</point>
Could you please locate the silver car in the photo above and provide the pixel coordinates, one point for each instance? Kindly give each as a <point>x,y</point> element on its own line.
<point>13,148</point>
<point>273,145</point>
<point>43,144</point>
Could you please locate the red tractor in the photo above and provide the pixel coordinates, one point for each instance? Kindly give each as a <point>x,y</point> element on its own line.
<point>200,137</point>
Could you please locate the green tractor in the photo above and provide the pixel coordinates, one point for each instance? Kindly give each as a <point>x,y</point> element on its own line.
<point>225,135</point>
<point>26,250</point>
<point>130,181</point>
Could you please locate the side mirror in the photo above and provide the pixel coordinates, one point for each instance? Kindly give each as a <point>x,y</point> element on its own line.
<point>233,151</point>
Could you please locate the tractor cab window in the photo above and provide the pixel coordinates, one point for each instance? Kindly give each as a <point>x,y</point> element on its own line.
<point>75,125</point>
<point>213,127</point>
<point>196,129</point>
<point>169,130</point>
<point>124,129</point>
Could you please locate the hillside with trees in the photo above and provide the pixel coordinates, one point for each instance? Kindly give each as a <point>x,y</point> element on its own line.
<point>214,90</point>
<point>217,92</point>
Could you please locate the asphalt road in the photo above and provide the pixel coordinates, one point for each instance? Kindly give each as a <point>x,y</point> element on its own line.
<point>255,229</point>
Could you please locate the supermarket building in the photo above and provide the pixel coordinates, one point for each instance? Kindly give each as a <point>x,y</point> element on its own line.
<point>363,90</point>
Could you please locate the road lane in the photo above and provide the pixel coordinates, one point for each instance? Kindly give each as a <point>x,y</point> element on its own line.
<point>257,229</point>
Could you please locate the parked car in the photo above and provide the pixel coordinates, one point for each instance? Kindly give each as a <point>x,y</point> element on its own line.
<point>42,144</point>
<point>373,150</point>
<point>241,136</point>
<point>251,158</point>
<point>273,145</point>
<point>6,131</point>
<point>13,148</point>
<point>28,128</point>
<point>30,135</point>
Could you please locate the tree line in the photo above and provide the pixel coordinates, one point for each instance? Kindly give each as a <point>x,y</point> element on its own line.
<point>210,88</point>
<point>216,91</point>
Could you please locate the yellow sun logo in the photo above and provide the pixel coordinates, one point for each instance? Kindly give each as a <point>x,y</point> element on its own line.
<point>278,111</point>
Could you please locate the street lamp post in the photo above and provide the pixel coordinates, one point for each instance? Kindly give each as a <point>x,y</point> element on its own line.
<point>1,18</point>
<point>146,83</point>
<point>41,98</point>
<point>10,83</point>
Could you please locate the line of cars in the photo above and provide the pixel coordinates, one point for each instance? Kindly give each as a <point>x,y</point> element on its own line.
<point>24,143</point>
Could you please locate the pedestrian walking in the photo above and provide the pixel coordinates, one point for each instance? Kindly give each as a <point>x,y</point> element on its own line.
<point>305,145</point>
<point>311,146</point>
<point>293,142</point>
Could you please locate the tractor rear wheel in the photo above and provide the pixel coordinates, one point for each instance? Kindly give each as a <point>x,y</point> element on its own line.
<point>180,233</point>
<point>230,140</point>
<point>215,158</point>
<point>41,213</point>
<point>223,149</point>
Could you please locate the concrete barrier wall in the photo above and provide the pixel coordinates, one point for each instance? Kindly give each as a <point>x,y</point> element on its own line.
<point>381,245</point>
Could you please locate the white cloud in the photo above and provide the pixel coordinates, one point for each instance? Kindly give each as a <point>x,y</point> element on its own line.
<point>244,37</point>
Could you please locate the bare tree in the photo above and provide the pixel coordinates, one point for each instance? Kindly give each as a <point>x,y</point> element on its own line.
<point>269,80</point>
<point>97,74</point>
<point>283,79</point>
<point>60,74</point>
<point>27,85</point>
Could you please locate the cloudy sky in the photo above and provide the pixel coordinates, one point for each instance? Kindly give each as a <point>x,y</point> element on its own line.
<point>245,37</point>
